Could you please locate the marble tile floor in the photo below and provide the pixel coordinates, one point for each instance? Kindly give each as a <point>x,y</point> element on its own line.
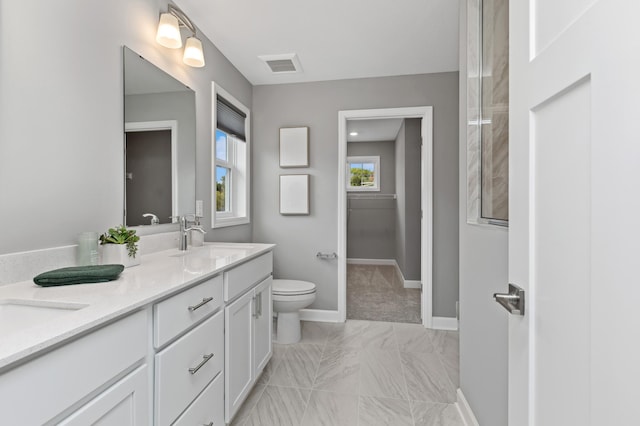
<point>358,373</point>
<point>376,293</point>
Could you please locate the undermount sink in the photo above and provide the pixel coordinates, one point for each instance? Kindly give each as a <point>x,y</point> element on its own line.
<point>16,314</point>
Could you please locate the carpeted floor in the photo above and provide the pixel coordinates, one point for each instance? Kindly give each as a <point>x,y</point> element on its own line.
<point>375,293</point>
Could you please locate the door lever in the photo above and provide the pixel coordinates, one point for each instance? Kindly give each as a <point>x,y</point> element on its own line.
<point>512,301</point>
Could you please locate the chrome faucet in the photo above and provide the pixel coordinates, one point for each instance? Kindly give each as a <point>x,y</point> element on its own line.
<point>184,229</point>
<point>154,218</point>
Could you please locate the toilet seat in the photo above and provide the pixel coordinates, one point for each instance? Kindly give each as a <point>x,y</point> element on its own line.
<point>292,287</point>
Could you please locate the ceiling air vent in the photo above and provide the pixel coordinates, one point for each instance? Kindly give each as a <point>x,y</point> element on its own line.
<point>282,64</point>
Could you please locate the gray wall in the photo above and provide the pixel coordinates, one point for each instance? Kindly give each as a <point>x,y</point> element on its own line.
<point>371,230</point>
<point>483,271</point>
<point>67,85</point>
<point>316,105</point>
<point>401,226</point>
<point>408,220</point>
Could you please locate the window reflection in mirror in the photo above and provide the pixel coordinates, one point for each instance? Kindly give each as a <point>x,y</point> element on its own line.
<point>159,115</point>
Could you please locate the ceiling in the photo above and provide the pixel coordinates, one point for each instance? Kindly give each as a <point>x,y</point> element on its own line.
<point>333,39</point>
<point>375,130</point>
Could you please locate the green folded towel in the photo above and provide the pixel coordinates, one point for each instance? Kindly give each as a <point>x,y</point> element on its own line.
<point>79,275</point>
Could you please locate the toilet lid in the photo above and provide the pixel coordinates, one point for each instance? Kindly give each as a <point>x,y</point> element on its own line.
<point>292,287</point>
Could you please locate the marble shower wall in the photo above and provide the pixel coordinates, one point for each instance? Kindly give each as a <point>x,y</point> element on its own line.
<point>488,111</point>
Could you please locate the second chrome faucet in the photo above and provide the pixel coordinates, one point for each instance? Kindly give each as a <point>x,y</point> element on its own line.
<point>185,229</point>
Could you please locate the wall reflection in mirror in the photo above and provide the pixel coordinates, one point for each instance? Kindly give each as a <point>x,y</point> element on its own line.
<point>488,112</point>
<point>160,143</point>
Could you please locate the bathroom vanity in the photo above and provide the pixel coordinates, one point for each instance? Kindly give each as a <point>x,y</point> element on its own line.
<point>180,339</point>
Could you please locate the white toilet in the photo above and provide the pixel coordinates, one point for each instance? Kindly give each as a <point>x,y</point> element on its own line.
<point>289,296</point>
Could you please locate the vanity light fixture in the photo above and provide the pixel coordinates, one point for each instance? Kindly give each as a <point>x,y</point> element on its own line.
<point>168,35</point>
<point>353,134</point>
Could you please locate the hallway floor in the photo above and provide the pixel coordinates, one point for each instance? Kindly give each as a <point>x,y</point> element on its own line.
<point>375,293</point>
<point>359,373</point>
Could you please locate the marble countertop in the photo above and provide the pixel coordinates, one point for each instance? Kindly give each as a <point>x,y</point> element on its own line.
<point>159,275</point>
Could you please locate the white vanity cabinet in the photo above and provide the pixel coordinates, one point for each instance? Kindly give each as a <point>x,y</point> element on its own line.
<point>175,350</point>
<point>102,375</point>
<point>194,356</point>
<point>248,327</point>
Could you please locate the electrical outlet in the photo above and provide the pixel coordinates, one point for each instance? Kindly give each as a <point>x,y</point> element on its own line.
<point>199,208</point>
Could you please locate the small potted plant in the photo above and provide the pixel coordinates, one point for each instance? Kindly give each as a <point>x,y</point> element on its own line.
<point>119,246</point>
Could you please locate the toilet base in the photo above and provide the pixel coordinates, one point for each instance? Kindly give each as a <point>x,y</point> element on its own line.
<point>288,327</point>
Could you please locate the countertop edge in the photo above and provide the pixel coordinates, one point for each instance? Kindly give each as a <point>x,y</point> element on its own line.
<point>32,350</point>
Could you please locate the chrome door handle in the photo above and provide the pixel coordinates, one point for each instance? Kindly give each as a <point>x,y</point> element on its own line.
<point>205,358</point>
<point>512,301</point>
<point>204,302</point>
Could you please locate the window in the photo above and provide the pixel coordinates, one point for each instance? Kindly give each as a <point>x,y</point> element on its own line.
<point>363,173</point>
<point>230,168</point>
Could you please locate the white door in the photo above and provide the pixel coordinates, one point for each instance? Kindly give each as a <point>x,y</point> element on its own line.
<point>263,323</point>
<point>574,357</point>
<point>238,353</point>
<point>125,403</point>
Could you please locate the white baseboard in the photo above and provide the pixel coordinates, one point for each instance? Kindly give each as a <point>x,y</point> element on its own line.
<point>464,408</point>
<point>444,323</point>
<point>319,315</point>
<point>412,284</point>
<point>389,262</point>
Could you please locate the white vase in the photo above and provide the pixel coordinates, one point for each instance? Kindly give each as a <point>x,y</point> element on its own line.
<point>118,254</point>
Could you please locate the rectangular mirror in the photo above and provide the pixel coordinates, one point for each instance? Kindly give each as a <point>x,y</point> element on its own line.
<point>160,143</point>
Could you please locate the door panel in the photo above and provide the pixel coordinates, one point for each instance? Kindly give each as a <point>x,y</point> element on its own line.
<point>263,325</point>
<point>560,295</point>
<point>573,234</point>
<point>552,17</point>
<point>238,353</point>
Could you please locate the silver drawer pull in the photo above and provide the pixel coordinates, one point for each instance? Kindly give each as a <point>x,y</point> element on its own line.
<point>204,302</point>
<point>205,358</point>
<point>208,424</point>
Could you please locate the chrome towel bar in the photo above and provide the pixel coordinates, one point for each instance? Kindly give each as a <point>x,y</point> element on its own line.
<point>326,256</point>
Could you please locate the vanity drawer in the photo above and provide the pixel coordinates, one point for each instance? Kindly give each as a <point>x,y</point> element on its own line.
<point>243,277</point>
<point>207,408</point>
<point>178,378</point>
<point>178,313</point>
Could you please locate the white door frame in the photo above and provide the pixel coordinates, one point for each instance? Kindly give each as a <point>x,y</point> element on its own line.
<point>426,264</point>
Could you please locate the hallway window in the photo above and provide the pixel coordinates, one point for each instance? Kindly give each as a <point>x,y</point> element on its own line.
<point>363,173</point>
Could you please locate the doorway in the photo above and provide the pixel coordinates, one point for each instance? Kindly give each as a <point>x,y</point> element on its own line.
<point>424,116</point>
<point>150,171</point>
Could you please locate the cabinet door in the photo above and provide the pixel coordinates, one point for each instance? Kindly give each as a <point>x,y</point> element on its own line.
<point>238,353</point>
<point>263,323</point>
<point>125,403</point>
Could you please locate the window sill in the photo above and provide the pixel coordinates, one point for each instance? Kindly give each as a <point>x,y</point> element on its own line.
<point>230,221</point>
<point>363,189</point>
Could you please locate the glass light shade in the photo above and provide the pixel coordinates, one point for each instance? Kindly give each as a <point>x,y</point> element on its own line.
<point>193,55</point>
<point>169,31</point>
